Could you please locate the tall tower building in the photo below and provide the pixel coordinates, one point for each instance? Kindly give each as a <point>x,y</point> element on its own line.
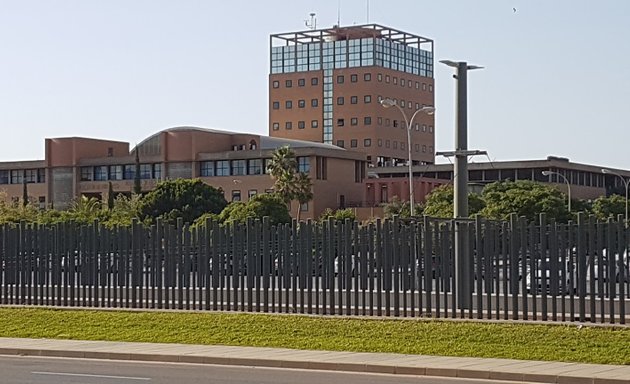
<point>326,85</point>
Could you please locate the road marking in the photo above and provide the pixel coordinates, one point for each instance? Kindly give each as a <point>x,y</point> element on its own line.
<point>88,375</point>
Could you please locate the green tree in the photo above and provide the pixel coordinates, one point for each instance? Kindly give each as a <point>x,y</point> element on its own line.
<point>259,206</point>
<point>289,183</point>
<point>24,193</point>
<point>525,198</point>
<point>281,168</point>
<point>302,190</point>
<point>137,185</point>
<point>340,214</point>
<point>397,207</point>
<point>607,207</point>
<point>110,196</point>
<point>85,210</point>
<point>185,198</point>
<point>124,210</point>
<point>440,202</point>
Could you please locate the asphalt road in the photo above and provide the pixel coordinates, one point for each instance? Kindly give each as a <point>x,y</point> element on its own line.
<point>30,370</point>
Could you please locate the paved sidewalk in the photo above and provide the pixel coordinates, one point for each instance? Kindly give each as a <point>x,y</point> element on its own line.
<point>473,368</point>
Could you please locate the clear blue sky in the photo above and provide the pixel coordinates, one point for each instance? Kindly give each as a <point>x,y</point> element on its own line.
<point>556,78</point>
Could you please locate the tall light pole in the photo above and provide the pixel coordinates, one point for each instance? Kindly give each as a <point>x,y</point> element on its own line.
<point>548,173</point>
<point>463,262</point>
<point>387,103</point>
<point>626,183</point>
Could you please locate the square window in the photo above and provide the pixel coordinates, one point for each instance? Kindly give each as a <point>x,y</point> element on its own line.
<point>430,129</point>
<point>367,99</point>
<point>367,142</point>
<point>354,78</point>
<point>402,145</point>
<point>424,86</point>
<point>367,120</point>
<point>276,84</point>
<point>367,77</point>
<point>379,77</point>
<point>206,168</point>
<point>395,145</point>
<point>276,105</point>
<point>424,148</point>
<point>340,122</point>
<point>288,125</point>
<point>340,79</point>
<point>354,121</point>
<point>340,143</point>
<point>288,104</point>
<point>380,142</point>
<point>387,122</point>
<point>254,167</point>
<point>288,83</point>
<point>238,167</point>
<point>340,100</point>
<point>387,79</point>
<point>430,87</point>
<point>301,82</point>
<point>251,193</point>
<point>417,147</point>
<point>313,102</point>
<point>417,85</point>
<point>379,121</point>
<point>353,143</point>
<point>314,123</point>
<point>236,195</point>
<point>402,82</point>
<point>301,125</point>
<point>395,81</point>
<point>424,127</point>
<point>353,99</point>
<point>314,80</point>
<point>301,103</point>
<point>395,123</point>
<point>387,144</point>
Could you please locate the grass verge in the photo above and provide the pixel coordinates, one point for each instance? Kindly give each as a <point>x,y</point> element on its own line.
<point>427,337</point>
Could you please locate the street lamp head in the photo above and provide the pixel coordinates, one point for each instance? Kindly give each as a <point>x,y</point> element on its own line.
<point>605,171</point>
<point>428,110</point>
<point>387,103</point>
<point>546,173</point>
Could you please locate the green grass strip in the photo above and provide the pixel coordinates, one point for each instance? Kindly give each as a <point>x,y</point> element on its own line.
<point>427,337</point>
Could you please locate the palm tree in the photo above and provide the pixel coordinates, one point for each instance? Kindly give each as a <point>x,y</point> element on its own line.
<point>302,190</point>
<point>282,168</point>
<point>289,183</point>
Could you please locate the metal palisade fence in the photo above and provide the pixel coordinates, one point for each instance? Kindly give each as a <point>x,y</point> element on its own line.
<point>507,270</point>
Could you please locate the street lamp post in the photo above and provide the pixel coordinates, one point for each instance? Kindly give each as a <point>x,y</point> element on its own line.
<point>626,183</point>
<point>547,173</point>
<point>463,263</point>
<point>387,103</point>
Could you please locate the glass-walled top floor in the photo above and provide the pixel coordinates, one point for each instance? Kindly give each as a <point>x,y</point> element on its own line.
<point>363,52</point>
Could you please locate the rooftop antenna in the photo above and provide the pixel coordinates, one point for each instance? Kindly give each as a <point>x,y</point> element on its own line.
<point>339,13</point>
<point>312,24</point>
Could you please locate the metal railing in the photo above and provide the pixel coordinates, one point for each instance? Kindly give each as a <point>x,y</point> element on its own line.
<point>529,271</point>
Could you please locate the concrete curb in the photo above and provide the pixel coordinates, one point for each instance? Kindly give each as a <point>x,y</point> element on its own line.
<point>469,368</point>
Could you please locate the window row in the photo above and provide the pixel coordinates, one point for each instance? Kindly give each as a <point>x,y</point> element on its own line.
<point>20,176</point>
<point>121,172</point>
<point>354,121</point>
<point>300,83</point>
<point>289,104</point>
<point>354,143</point>
<point>243,167</point>
<point>405,82</point>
